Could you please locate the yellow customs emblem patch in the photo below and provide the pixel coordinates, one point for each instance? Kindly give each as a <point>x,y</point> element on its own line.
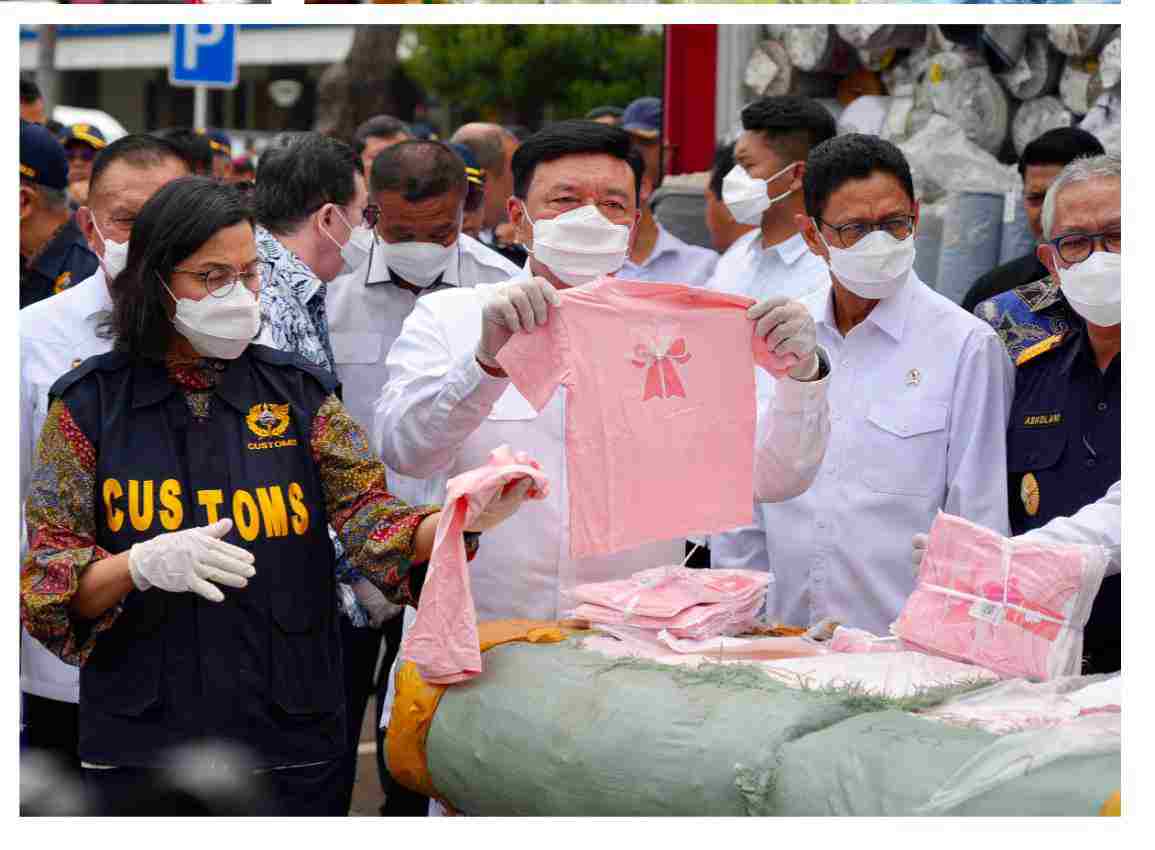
<point>268,420</point>
<point>1029,492</point>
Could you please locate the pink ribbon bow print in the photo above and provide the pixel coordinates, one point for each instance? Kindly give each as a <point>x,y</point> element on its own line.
<point>658,358</point>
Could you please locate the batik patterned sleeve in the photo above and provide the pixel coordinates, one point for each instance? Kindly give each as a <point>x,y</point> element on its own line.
<point>61,518</point>
<point>377,530</point>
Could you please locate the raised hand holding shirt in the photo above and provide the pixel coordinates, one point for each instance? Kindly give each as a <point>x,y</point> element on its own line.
<point>660,418</point>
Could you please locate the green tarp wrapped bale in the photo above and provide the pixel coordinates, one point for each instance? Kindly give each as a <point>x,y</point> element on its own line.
<point>556,730</point>
<point>893,763</point>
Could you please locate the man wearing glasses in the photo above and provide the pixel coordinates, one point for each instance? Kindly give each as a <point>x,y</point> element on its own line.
<point>1064,434</point>
<point>919,396</point>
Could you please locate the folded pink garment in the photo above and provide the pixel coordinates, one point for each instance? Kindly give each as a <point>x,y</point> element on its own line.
<point>1016,608</point>
<point>689,603</point>
<point>667,591</point>
<point>442,641</point>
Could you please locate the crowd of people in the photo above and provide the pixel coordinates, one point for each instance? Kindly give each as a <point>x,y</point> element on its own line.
<point>245,386</point>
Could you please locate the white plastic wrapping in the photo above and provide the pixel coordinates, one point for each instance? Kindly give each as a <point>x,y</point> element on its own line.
<point>1037,71</point>
<point>768,71</point>
<point>1007,41</point>
<point>882,35</point>
<point>968,94</point>
<point>1035,117</point>
<point>1079,86</point>
<point>971,238</point>
<point>1017,705</point>
<point>943,160</point>
<point>865,114</point>
<point>816,48</point>
<point>1104,121</point>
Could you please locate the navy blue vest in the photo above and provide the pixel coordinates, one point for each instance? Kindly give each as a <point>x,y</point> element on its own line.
<point>263,668</point>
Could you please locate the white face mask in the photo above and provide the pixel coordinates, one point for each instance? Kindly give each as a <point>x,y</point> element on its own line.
<point>218,327</point>
<point>746,197</point>
<point>876,267</point>
<point>355,251</point>
<point>1094,288</point>
<point>115,254</point>
<point>580,245</point>
<point>419,263</point>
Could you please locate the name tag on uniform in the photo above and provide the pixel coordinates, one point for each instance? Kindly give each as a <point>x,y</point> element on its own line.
<point>1042,420</point>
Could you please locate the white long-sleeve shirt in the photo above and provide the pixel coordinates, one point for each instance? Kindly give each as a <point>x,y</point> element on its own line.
<point>441,414</point>
<point>1100,524</point>
<point>919,398</point>
<point>56,335</point>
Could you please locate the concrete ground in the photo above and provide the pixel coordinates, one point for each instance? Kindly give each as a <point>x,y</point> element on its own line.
<point>367,793</point>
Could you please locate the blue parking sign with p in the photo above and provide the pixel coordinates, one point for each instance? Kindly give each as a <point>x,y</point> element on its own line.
<point>204,55</point>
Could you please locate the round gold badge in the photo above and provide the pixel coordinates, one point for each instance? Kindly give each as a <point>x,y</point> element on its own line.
<point>1029,491</point>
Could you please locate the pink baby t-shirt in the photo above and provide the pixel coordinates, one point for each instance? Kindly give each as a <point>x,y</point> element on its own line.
<point>660,408</point>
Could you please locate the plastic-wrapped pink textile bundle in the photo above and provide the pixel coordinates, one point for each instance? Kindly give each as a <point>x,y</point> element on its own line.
<point>1013,607</point>
<point>443,641</point>
<point>686,602</point>
<point>846,639</point>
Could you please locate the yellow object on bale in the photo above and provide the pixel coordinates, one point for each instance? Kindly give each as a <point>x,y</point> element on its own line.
<point>416,701</point>
<point>1111,808</point>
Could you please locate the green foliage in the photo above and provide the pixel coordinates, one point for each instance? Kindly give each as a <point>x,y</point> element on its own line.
<point>530,74</point>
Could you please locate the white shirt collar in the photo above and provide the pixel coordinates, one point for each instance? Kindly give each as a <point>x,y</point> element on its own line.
<point>789,250</point>
<point>889,314</point>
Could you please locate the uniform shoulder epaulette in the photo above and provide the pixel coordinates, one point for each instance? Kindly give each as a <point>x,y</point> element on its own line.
<point>1028,354</point>
<point>107,362</point>
<point>285,358</point>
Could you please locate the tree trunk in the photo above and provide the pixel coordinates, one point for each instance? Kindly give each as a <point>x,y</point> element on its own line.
<point>47,77</point>
<point>359,86</point>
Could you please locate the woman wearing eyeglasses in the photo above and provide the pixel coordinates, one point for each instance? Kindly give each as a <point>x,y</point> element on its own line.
<point>177,521</point>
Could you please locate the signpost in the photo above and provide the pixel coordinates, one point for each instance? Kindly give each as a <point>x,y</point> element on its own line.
<point>204,56</point>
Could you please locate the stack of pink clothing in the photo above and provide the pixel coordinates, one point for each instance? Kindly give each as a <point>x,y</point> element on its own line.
<point>846,639</point>
<point>1013,607</point>
<point>443,641</point>
<point>687,603</point>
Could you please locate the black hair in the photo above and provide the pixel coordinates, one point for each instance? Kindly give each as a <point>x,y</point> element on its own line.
<point>29,91</point>
<point>1059,147</point>
<point>195,148</point>
<point>171,226</point>
<point>418,169</point>
<point>567,138</point>
<point>55,127</point>
<point>300,175</point>
<point>791,124</point>
<point>137,149</point>
<point>603,111</point>
<point>854,156</point>
<point>723,163</point>
<point>381,127</point>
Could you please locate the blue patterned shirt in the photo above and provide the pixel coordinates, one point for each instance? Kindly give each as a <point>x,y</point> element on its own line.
<point>292,303</point>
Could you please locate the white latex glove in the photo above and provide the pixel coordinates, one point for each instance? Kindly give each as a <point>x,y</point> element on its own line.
<point>374,602</point>
<point>190,560</point>
<point>790,335</point>
<point>918,549</point>
<point>502,506</point>
<point>520,305</point>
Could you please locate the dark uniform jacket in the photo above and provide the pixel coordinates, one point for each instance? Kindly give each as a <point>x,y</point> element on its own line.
<point>65,260</point>
<point>1063,452</point>
<point>263,667</point>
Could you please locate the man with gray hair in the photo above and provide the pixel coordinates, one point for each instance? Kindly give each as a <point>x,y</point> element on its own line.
<point>1064,433</point>
<point>53,252</point>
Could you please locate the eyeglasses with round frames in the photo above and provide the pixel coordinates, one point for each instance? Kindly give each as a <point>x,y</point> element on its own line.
<point>221,280</point>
